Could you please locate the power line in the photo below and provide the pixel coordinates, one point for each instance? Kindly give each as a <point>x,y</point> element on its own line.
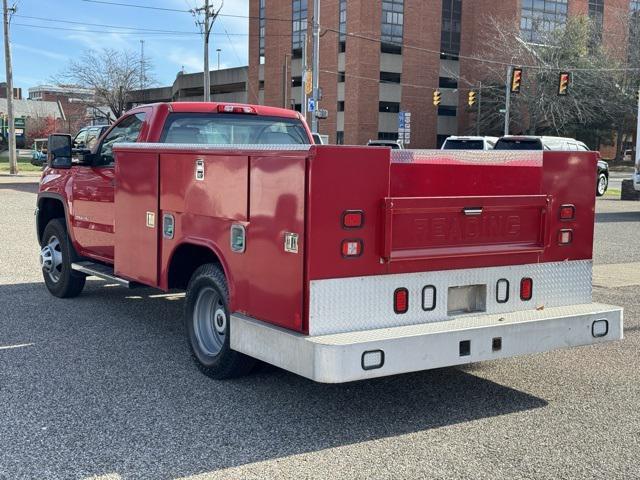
<point>136,32</point>
<point>58,20</point>
<point>229,15</point>
<point>483,60</point>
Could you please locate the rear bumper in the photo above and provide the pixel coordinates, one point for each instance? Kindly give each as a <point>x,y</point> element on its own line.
<point>340,357</point>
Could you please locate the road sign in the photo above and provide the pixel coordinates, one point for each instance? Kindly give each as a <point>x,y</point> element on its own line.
<point>311,106</point>
<point>404,127</point>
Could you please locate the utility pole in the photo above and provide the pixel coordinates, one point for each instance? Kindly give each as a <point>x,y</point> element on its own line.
<point>11,127</point>
<point>638,132</point>
<point>507,102</point>
<point>218,50</point>
<point>210,15</point>
<point>305,71</point>
<point>316,63</point>
<point>142,68</point>
<point>479,118</point>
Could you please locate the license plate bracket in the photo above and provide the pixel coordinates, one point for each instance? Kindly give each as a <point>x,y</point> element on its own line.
<point>466,299</point>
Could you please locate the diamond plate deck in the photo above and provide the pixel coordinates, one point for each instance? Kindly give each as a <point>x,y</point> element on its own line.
<point>365,303</point>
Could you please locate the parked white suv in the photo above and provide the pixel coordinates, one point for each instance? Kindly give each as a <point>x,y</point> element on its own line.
<point>456,142</point>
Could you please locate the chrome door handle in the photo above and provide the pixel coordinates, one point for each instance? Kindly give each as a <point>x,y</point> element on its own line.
<point>472,211</point>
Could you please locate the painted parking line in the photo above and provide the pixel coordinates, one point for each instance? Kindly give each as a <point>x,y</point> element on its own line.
<point>616,275</point>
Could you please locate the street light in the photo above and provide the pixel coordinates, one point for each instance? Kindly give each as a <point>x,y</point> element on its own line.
<point>218,50</point>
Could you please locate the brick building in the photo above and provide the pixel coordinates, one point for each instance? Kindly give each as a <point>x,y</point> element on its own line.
<point>380,57</point>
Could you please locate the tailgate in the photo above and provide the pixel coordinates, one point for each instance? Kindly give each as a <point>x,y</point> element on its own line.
<point>421,228</point>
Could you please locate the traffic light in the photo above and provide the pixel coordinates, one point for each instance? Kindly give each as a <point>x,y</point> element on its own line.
<point>563,83</point>
<point>638,95</point>
<point>472,98</point>
<point>516,80</point>
<point>437,98</point>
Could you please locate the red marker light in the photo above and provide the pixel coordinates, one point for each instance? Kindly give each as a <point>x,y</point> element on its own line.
<point>352,219</point>
<point>401,300</point>
<point>567,212</point>
<point>526,289</point>
<point>351,248</point>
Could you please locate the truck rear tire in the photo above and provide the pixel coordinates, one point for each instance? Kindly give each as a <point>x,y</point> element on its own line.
<point>207,323</point>
<point>56,257</point>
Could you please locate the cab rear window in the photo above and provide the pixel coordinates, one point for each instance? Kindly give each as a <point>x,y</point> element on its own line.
<point>233,129</point>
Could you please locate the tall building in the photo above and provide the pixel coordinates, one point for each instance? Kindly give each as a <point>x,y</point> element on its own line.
<point>382,57</point>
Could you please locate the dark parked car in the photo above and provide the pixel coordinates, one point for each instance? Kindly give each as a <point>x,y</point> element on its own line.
<point>514,142</point>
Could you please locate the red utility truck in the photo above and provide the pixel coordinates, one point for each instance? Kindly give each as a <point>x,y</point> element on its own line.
<point>336,263</point>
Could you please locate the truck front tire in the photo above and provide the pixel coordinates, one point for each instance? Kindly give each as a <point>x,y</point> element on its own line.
<point>207,323</point>
<point>56,257</point>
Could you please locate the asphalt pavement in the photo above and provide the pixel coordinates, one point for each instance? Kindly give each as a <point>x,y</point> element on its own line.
<point>102,386</point>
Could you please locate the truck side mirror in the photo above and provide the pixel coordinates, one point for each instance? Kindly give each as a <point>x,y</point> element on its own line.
<point>59,151</point>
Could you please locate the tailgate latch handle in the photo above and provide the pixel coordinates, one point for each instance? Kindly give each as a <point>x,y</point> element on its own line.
<point>472,211</point>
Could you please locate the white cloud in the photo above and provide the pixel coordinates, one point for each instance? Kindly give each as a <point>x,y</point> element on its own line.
<point>39,51</point>
<point>187,58</point>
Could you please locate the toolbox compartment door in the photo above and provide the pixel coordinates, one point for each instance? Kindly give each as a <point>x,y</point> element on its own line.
<point>422,228</point>
<point>136,216</point>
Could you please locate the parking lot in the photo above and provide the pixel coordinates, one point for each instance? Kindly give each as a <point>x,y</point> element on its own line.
<point>102,386</point>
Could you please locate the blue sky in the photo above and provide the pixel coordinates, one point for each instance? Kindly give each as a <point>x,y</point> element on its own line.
<point>43,50</point>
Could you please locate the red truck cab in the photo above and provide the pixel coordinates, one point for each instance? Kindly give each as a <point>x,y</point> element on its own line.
<point>336,263</point>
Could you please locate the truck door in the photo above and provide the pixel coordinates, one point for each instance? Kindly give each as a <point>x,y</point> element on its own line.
<point>93,191</point>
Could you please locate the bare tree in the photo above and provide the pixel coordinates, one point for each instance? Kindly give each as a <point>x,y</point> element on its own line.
<point>111,74</point>
<point>601,90</point>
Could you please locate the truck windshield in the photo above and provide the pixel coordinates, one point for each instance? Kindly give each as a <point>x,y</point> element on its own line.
<point>233,129</point>
<point>460,144</point>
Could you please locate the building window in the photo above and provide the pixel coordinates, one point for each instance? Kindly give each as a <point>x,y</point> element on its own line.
<point>341,77</point>
<point>296,81</point>
<point>262,21</point>
<point>540,17</point>
<point>261,85</point>
<point>596,14</point>
<point>390,77</point>
<point>450,33</point>
<point>392,26</point>
<point>342,37</point>
<point>447,111</point>
<point>389,107</point>
<point>340,138</point>
<point>387,135</point>
<point>446,82</point>
<point>299,27</point>
<point>341,106</point>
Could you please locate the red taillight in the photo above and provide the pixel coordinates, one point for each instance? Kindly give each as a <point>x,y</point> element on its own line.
<point>351,248</point>
<point>526,289</point>
<point>353,219</point>
<point>565,237</point>
<point>236,109</point>
<point>567,212</point>
<point>401,300</point>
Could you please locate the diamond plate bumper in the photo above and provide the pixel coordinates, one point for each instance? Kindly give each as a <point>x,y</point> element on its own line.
<point>338,357</point>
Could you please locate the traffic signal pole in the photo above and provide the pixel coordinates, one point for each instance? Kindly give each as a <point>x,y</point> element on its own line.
<point>11,127</point>
<point>638,132</point>
<point>507,101</point>
<point>316,63</point>
<point>479,119</point>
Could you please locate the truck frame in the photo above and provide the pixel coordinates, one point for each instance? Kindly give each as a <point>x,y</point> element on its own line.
<point>335,263</point>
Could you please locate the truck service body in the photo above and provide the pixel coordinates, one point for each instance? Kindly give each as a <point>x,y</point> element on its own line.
<point>336,263</point>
